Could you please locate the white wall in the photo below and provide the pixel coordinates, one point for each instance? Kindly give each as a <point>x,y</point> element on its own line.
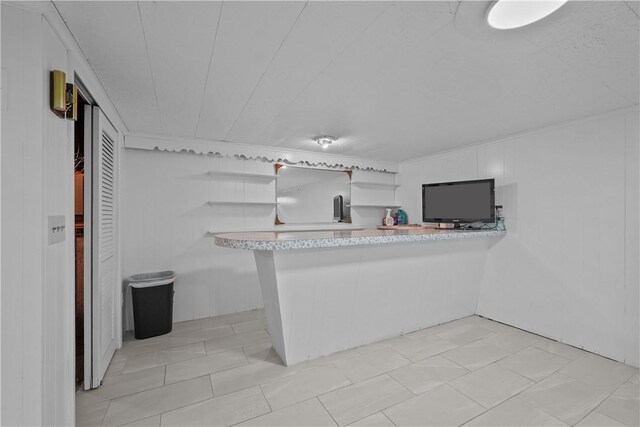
<point>38,290</point>
<point>165,223</point>
<point>38,293</point>
<point>368,202</point>
<point>22,221</point>
<point>58,287</point>
<point>568,268</point>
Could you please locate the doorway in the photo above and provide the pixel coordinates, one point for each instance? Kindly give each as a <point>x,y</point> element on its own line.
<point>81,218</point>
<point>95,207</point>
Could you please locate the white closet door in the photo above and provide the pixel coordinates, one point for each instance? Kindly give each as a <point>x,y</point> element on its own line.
<point>104,283</point>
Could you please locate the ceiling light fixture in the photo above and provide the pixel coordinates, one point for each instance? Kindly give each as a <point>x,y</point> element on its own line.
<point>510,14</point>
<point>325,141</point>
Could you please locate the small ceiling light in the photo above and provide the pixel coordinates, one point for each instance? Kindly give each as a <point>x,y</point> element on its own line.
<point>325,141</point>
<point>510,14</point>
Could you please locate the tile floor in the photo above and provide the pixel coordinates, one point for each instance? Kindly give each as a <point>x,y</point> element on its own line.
<point>222,371</point>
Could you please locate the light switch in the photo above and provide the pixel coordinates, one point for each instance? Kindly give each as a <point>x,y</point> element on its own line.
<point>56,229</point>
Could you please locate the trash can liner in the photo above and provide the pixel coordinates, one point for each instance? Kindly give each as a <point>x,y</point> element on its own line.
<point>151,279</point>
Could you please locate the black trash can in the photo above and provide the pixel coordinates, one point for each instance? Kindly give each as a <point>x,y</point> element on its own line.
<point>152,297</point>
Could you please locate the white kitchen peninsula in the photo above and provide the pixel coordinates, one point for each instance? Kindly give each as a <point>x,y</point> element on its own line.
<point>326,291</point>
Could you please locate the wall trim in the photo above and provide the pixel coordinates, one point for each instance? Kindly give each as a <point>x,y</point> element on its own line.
<point>260,152</point>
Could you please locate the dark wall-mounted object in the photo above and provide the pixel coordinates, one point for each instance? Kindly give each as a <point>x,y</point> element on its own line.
<point>338,208</point>
<point>461,202</point>
<point>64,96</point>
<point>58,86</point>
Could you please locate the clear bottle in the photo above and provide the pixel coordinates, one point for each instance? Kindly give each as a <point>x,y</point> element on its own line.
<point>388,220</point>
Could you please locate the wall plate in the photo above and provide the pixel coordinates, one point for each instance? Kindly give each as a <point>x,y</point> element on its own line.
<point>56,229</point>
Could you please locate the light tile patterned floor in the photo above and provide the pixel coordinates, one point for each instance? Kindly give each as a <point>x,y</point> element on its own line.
<point>222,371</point>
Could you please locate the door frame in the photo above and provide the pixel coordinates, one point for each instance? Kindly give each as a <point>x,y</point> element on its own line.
<point>88,247</point>
<point>89,254</point>
<point>87,140</point>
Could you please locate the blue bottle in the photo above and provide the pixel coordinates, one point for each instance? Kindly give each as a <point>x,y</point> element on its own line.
<point>402,217</point>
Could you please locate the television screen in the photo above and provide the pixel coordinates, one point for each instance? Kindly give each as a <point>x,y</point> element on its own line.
<point>460,202</point>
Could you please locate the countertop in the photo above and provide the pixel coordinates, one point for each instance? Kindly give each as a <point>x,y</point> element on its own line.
<point>268,241</point>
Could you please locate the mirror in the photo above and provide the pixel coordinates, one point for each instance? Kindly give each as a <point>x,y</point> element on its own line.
<point>306,195</point>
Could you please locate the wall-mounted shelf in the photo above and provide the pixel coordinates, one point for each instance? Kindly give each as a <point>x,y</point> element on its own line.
<point>217,203</point>
<point>373,206</point>
<point>266,177</point>
<point>374,184</point>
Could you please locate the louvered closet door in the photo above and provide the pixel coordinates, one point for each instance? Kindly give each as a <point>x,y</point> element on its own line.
<point>104,282</point>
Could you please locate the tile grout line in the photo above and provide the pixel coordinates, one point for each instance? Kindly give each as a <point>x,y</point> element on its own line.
<point>531,379</point>
<point>209,373</point>
<point>381,411</point>
<point>482,367</point>
<point>359,382</point>
<point>159,387</point>
<point>509,398</point>
<point>512,397</point>
<point>265,399</point>
<point>582,382</point>
<point>252,386</point>
<point>213,394</point>
<point>156,388</point>
<point>455,389</point>
<point>314,397</point>
<point>547,338</point>
<point>242,350</point>
<point>185,360</point>
<point>328,412</point>
<point>534,384</point>
<point>601,402</point>
<point>104,417</point>
<point>465,395</point>
<point>174,409</point>
<point>387,417</point>
<point>552,353</point>
<point>388,373</point>
<point>271,411</point>
<point>436,354</point>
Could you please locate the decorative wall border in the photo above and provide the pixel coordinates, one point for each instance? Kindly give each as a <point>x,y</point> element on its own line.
<point>259,152</point>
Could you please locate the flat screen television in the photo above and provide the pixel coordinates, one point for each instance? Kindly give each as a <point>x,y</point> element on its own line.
<point>338,208</point>
<point>461,202</point>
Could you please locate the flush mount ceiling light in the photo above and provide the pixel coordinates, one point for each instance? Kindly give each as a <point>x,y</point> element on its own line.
<point>325,141</point>
<point>510,14</point>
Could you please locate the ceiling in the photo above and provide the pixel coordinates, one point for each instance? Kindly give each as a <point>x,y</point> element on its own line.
<point>391,80</point>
